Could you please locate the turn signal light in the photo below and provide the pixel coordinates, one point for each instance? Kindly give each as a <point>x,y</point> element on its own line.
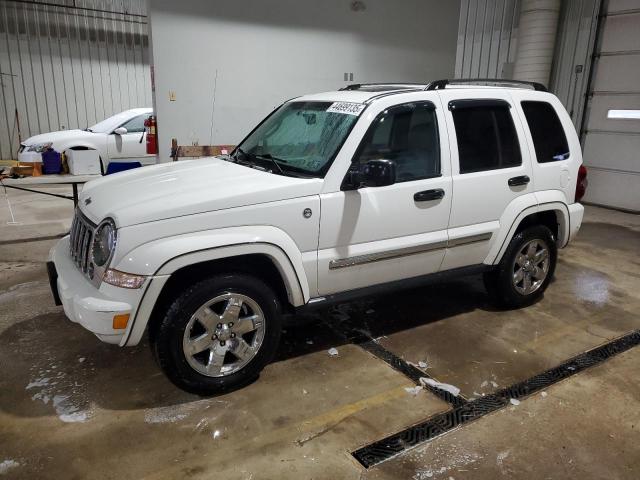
<point>123,279</point>
<point>120,321</point>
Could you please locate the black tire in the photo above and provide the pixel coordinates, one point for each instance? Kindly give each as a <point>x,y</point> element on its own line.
<point>167,338</point>
<point>499,282</point>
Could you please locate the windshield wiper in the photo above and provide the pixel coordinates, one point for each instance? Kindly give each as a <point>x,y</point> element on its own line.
<point>274,160</point>
<point>267,156</point>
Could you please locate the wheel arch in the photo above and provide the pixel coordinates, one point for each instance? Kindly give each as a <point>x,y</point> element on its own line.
<point>260,265</point>
<point>264,260</point>
<point>554,215</point>
<point>268,261</point>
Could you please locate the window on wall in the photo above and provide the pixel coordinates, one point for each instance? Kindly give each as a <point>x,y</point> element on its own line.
<point>548,135</point>
<point>487,138</point>
<point>408,135</point>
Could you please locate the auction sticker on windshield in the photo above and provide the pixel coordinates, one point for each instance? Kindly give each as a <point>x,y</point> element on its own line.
<point>346,107</point>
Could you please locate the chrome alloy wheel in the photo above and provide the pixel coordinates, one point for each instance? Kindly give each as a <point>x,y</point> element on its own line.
<point>223,335</point>
<point>531,267</point>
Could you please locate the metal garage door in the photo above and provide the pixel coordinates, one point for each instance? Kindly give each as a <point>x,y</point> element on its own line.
<point>612,134</point>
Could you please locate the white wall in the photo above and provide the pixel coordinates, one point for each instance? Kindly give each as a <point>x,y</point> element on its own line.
<point>265,52</point>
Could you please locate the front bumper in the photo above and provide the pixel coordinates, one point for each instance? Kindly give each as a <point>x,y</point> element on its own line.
<point>85,304</point>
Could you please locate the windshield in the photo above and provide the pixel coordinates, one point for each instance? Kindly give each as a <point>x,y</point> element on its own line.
<point>303,136</point>
<point>108,125</point>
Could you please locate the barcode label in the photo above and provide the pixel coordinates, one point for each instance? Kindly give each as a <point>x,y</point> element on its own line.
<point>346,108</point>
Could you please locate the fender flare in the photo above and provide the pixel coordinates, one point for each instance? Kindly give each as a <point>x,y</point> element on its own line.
<point>290,277</point>
<point>199,247</point>
<point>562,214</point>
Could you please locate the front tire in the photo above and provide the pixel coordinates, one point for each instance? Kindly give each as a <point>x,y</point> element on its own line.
<point>218,334</point>
<point>525,270</point>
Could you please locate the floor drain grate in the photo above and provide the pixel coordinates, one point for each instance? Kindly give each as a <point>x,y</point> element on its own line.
<point>364,341</point>
<point>410,371</point>
<point>386,448</point>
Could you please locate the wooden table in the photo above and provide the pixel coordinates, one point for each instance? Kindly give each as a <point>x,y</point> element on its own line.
<point>63,179</point>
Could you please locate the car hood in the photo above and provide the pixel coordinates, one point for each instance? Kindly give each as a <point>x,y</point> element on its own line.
<point>58,137</point>
<point>188,187</point>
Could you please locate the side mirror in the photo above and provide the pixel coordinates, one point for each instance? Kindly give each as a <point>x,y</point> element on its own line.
<point>120,131</point>
<point>374,173</point>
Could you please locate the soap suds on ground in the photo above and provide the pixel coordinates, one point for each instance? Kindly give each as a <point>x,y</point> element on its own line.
<point>51,386</point>
<point>452,461</point>
<point>182,411</point>
<point>413,390</point>
<point>7,465</point>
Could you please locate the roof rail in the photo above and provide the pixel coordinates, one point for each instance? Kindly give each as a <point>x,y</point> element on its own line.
<point>440,84</point>
<point>381,87</point>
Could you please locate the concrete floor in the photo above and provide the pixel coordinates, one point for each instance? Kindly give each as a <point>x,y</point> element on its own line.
<point>73,407</point>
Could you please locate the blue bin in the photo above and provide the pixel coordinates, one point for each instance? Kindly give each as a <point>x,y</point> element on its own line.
<point>115,167</point>
<point>51,162</point>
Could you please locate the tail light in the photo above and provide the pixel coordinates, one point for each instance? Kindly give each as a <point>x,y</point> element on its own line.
<point>581,183</point>
<point>152,135</point>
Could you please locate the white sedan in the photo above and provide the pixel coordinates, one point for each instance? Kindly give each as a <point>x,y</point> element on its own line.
<point>119,138</point>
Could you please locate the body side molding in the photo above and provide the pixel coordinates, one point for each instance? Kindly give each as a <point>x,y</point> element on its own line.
<point>403,252</point>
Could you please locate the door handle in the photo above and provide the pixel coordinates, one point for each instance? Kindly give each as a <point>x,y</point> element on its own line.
<point>426,195</point>
<point>517,181</point>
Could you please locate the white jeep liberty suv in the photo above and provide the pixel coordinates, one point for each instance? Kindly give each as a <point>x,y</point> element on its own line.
<point>332,195</point>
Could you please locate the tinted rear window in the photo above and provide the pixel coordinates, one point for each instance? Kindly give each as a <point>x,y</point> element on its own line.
<point>487,138</point>
<point>548,135</point>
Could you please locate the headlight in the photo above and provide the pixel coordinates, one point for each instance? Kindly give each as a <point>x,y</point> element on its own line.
<point>104,243</point>
<point>39,147</point>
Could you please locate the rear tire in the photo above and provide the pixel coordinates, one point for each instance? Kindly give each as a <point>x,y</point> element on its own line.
<point>525,270</point>
<point>218,334</point>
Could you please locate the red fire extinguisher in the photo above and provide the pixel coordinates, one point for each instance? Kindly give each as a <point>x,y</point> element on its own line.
<point>152,136</point>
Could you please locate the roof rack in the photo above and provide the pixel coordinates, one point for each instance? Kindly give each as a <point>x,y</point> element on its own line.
<point>440,84</point>
<point>383,87</point>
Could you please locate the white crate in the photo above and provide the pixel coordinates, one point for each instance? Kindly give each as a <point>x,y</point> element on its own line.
<point>83,162</point>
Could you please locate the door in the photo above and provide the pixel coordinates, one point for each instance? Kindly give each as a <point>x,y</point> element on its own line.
<point>375,235</point>
<point>130,147</point>
<point>491,170</point>
<point>611,132</point>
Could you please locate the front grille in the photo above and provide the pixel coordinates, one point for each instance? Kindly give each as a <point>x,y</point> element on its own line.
<point>81,239</point>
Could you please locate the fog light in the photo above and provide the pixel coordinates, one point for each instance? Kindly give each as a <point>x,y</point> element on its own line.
<point>120,321</point>
<point>122,279</point>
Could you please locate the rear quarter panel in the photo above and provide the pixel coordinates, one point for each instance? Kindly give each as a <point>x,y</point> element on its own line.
<point>557,176</point>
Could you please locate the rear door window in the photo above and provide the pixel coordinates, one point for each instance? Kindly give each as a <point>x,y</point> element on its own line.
<point>487,138</point>
<point>548,135</point>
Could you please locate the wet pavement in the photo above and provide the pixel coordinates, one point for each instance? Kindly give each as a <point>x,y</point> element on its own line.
<point>73,407</point>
